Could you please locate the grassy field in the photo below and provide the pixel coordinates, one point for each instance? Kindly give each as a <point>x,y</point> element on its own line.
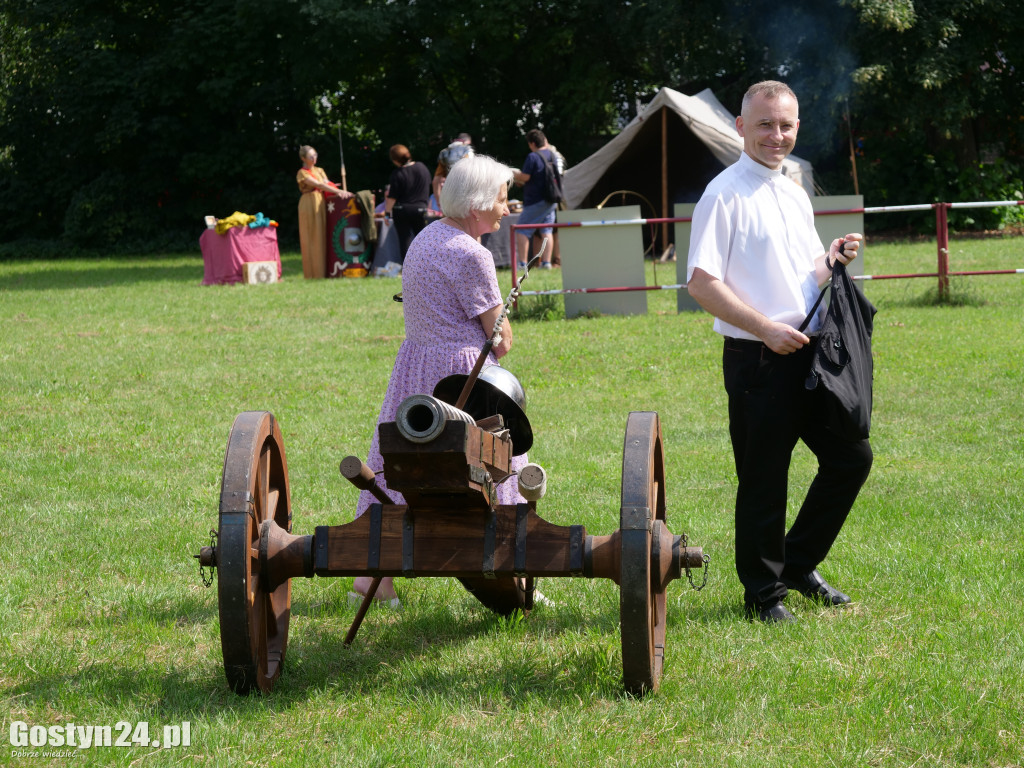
<point>120,380</point>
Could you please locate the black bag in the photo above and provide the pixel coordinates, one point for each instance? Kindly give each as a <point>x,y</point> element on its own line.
<point>552,181</point>
<point>842,358</point>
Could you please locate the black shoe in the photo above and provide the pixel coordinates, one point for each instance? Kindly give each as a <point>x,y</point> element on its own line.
<point>773,615</point>
<point>813,587</point>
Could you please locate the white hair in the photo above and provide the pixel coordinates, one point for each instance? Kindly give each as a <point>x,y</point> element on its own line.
<point>472,184</point>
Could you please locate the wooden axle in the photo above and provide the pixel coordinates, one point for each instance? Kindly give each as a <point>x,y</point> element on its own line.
<point>393,540</point>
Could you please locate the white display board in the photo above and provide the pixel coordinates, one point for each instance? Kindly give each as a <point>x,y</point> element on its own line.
<point>684,303</point>
<point>603,257</point>
<point>832,226</point>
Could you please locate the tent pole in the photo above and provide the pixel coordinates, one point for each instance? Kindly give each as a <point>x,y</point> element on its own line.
<point>664,178</point>
<point>853,154</point>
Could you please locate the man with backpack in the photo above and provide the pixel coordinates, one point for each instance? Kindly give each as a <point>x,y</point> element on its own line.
<point>541,180</point>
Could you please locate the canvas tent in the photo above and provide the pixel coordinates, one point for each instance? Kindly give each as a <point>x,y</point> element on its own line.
<point>667,154</point>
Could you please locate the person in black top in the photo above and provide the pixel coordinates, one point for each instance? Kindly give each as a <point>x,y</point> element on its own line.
<point>408,196</point>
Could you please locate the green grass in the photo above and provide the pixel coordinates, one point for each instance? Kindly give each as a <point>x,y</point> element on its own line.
<point>120,380</point>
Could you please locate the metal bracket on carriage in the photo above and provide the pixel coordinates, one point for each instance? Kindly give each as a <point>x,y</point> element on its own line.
<point>670,557</point>
<point>207,558</point>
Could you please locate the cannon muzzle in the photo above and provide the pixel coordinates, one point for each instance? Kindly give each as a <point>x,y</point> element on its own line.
<point>421,418</point>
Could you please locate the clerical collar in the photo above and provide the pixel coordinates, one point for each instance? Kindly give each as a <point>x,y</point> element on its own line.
<point>761,170</point>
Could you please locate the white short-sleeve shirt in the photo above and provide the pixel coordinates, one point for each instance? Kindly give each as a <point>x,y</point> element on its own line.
<point>753,229</point>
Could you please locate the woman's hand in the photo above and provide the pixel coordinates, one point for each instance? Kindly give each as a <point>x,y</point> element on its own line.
<point>487,320</point>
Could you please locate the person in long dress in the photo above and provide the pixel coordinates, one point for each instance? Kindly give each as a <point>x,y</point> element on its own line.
<point>451,301</point>
<point>314,186</point>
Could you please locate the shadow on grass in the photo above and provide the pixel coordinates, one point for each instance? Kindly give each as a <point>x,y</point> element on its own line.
<point>71,275</point>
<point>461,655</point>
<point>453,649</point>
<point>105,274</point>
<point>961,293</point>
<point>442,651</point>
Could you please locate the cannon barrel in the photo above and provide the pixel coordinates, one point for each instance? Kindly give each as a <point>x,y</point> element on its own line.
<point>421,418</point>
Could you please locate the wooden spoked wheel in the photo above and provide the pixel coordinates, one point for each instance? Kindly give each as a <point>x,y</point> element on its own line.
<point>642,597</point>
<point>254,489</point>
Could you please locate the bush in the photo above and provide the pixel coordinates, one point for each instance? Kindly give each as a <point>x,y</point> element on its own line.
<point>999,180</point>
<point>905,177</point>
<point>96,215</point>
<point>35,249</point>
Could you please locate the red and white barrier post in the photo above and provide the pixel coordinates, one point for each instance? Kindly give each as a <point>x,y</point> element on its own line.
<point>942,272</point>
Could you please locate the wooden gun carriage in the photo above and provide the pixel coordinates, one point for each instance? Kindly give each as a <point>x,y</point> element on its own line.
<point>446,462</point>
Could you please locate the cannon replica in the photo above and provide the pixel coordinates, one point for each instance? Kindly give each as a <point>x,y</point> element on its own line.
<point>445,453</point>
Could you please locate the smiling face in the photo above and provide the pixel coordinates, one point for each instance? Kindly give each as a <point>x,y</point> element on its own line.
<point>768,127</point>
<point>489,220</point>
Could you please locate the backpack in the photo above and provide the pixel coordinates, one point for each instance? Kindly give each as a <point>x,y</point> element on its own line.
<point>454,152</point>
<point>552,181</point>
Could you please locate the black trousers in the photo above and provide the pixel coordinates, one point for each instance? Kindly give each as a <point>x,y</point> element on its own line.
<point>409,222</point>
<point>769,410</point>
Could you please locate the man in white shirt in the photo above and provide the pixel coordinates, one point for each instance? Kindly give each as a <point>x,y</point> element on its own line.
<point>757,264</point>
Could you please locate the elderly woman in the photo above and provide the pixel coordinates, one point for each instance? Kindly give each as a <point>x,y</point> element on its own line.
<point>451,302</point>
<point>313,185</point>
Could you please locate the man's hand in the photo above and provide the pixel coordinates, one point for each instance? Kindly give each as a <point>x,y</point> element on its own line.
<point>718,299</point>
<point>783,339</point>
<point>851,246</point>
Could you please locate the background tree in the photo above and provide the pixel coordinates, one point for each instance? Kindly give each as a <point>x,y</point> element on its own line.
<point>937,103</point>
<point>122,124</point>
<point>128,120</point>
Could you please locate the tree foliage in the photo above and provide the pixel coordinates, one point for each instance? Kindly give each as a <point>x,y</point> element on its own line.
<point>938,99</point>
<point>127,121</point>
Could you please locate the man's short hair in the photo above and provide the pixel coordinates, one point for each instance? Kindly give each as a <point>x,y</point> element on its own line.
<point>769,89</point>
<point>536,136</point>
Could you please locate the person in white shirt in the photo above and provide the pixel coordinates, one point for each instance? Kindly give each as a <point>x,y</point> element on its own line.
<point>757,264</point>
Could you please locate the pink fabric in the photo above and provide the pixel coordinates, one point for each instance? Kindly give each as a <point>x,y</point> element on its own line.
<point>448,279</point>
<point>224,255</point>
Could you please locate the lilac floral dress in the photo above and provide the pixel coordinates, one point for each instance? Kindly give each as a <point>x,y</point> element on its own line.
<point>448,280</point>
